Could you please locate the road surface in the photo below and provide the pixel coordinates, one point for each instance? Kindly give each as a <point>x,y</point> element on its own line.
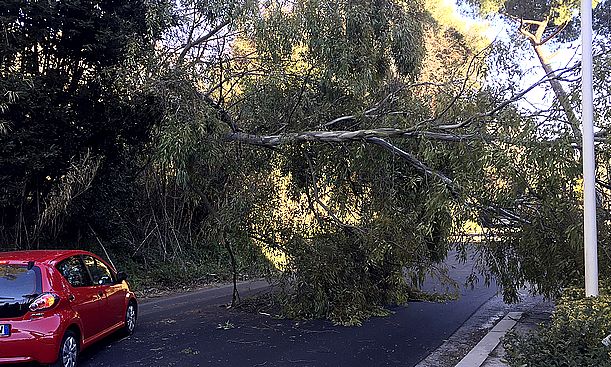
<point>195,330</point>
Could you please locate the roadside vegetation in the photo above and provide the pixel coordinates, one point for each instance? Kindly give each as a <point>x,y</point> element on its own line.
<point>573,337</point>
<point>338,148</point>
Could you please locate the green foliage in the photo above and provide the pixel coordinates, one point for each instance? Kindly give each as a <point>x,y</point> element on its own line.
<point>359,234</point>
<point>61,101</point>
<point>556,11</point>
<point>557,18</point>
<point>602,18</point>
<point>543,252</point>
<point>123,139</point>
<point>572,338</point>
<point>359,229</point>
<point>332,283</point>
<point>191,271</point>
<point>354,43</point>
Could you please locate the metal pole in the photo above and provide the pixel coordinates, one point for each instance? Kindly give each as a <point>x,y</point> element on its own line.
<point>589,177</point>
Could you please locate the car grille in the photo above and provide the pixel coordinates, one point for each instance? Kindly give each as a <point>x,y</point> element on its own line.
<point>13,310</point>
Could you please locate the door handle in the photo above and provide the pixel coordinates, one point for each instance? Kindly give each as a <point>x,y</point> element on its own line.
<point>100,294</point>
<point>71,297</point>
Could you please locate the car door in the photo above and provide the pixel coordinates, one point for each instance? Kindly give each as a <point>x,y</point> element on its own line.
<point>113,311</point>
<point>83,296</point>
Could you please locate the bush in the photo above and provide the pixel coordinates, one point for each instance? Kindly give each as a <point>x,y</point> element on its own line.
<point>572,338</point>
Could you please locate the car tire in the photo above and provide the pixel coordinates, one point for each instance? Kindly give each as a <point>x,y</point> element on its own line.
<point>131,316</point>
<point>68,351</point>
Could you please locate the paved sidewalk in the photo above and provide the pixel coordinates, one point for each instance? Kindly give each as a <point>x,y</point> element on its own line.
<point>534,310</point>
<point>537,313</point>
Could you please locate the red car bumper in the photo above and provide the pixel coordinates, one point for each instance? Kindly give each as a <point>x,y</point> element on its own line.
<point>31,341</point>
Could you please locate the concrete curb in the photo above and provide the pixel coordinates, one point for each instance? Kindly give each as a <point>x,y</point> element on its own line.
<point>478,355</point>
<point>481,323</point>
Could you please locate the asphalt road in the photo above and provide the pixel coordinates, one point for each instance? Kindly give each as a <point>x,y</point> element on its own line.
<point>195,330</point>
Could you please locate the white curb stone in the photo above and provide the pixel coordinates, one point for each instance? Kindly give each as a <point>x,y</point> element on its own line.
<point>477,356</point>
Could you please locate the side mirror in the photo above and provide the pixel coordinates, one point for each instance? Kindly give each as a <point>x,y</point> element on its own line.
<point>121,276</point>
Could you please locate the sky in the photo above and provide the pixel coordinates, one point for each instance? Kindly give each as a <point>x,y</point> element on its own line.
<point>564,55</point>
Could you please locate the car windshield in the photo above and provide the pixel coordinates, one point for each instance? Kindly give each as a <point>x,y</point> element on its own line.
<point>17,282</point>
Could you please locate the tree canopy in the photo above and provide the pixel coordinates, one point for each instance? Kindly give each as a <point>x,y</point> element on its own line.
<point>346,147</point>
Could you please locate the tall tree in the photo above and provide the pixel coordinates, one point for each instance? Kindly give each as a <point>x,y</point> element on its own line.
<point>70,123</point>
<point>349,142</point>
<point>366,174</point>
<point>543,23</point>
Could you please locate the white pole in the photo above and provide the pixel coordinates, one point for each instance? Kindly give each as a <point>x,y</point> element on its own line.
<point>589,177</point>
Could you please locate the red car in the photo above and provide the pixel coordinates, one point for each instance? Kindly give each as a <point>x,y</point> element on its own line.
<point>53,304</point>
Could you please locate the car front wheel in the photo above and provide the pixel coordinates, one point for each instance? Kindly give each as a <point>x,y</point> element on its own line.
<point>68,351</point>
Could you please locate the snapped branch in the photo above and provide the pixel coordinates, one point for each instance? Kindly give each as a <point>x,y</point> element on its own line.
<point>272,141</point>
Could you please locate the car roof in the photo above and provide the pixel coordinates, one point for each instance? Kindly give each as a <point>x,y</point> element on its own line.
<point>40,255</point>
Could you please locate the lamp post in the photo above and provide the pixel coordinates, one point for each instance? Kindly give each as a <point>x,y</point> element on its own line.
<point>589,168</point>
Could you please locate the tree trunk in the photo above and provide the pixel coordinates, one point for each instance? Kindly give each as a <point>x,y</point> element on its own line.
<point>559,91</point>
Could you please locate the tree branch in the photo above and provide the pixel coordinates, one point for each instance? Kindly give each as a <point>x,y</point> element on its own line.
<point>200,40</point>
<point>271,141</point>
<point>332,215</point>
<point>551,75</point>
<point>417,164</point>
<point>551,36</point>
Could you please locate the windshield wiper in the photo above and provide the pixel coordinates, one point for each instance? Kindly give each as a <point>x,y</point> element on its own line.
<point>7,297</point>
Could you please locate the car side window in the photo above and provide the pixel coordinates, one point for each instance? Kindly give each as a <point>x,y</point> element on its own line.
<point>73,270</point>
<point>100,273</point>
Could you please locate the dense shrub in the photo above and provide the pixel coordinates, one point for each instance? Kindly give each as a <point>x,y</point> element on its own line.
<point>572,338</point>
